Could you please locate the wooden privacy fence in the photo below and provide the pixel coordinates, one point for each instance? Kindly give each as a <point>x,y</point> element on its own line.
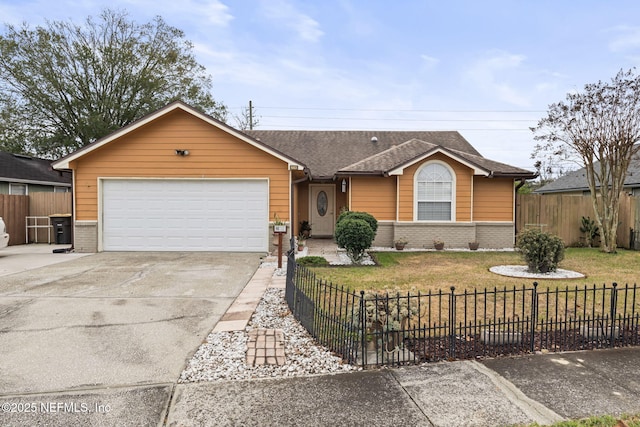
<point>562,215</point>
<point>15,209</point>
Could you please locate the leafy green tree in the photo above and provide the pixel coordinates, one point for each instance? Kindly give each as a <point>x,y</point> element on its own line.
<point>64,85</point>
<point>601,127</point>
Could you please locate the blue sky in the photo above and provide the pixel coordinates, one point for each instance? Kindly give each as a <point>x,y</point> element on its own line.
<point>488,69</point>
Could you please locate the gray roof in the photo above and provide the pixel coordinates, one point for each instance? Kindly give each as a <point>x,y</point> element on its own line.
<point>577,180</point>
<point>404,154</point>
<point>19,168</point>
<point>327,153</point>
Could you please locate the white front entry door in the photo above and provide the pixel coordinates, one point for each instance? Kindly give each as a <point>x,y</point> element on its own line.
<point>322,207</point>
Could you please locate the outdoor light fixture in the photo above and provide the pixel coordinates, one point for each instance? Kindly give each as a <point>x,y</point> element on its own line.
<point>344,185</point>
<point>182,152</point>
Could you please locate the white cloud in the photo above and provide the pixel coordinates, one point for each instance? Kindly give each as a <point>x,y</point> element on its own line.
<point>216,13</point>
<point>284,13</point>
<point>493,74</point>
<point>428,62</point>
<point>626,38</point>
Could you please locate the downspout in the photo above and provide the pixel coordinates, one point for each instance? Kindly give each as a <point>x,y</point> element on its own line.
<point>521,184</point>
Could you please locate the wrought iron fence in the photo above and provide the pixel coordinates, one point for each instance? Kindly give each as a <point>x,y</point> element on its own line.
<point>383,329</point>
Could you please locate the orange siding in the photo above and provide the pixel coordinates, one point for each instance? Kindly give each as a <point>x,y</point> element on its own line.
<point>150,152</point>
<point>493,199</point>
<point>375,195</point>
<point>342,200</point>
<point>464,177</point>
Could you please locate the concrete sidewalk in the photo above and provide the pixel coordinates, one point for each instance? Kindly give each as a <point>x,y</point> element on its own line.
<point>499,392</point>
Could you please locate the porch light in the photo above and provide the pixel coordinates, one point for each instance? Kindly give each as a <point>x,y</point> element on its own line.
<point>344,185</point>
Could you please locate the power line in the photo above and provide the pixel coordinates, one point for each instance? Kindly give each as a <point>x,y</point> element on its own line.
<point>397,120</point>
<point>306,127</point>
<point>398,110</point>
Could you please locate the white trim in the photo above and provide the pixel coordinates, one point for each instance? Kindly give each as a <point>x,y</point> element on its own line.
<point>513,201</point>
<point>454,192</point>
<point>30,181</point>
<point>476,169</point>
<point>473,189</point>
<point>398,198</point>
<point>65,161</point>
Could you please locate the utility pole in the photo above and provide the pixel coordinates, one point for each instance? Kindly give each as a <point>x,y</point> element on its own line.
<point>250,115</point>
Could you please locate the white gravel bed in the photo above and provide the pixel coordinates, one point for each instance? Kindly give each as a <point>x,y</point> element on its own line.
<point>222,355</point>
<point>523,271</point>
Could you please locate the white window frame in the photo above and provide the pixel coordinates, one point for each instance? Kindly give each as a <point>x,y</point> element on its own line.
<point>453,191</point>
<point>16,184</point>
<point>59,189</point>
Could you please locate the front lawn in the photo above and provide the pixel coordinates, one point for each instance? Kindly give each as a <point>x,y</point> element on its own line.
<point>424,271</point>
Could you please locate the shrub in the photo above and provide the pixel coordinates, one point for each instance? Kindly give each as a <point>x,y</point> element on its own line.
<point>355,235</point>
<point>373,223</point>
<point>590,230</point>
<point>313,260</point>
<point>541,251</point>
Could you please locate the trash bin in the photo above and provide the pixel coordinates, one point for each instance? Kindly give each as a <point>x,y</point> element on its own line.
<point>61,228</point>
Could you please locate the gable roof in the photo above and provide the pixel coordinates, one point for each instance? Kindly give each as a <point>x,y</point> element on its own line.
<point>329,153</point>
<point>64,162</point>
<point>31,170</point>
<point>577,180</point>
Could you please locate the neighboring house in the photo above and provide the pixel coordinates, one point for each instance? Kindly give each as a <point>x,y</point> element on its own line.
<point>575,183</point>
<point>178,179</point>
<point>23,175</point>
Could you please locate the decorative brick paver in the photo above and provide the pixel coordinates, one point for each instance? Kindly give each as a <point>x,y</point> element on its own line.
<point>265,347</point>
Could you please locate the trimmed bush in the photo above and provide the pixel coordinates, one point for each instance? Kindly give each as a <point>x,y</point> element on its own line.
<point>541,251</point>
<point>354,235</point>
<point>373,223</point>
<point>313,260</point>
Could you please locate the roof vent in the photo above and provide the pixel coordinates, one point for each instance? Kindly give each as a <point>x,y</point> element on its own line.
<point>374,139</point>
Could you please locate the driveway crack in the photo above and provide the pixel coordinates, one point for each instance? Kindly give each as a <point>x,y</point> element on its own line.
<point>104,325</point>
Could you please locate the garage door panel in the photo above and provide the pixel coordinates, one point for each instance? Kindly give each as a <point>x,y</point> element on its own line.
<point>185,215</point>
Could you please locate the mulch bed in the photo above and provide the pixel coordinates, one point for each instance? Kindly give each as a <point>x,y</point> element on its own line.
<point>435,349</point>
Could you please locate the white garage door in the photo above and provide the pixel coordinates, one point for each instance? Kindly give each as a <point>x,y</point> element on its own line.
<point>185,215</point>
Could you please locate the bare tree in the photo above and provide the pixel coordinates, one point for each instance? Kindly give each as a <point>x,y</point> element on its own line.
<point>247,119</point>
<point>600,126</point>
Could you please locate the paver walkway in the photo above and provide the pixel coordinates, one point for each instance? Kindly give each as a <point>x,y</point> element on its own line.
<point>265,347</point>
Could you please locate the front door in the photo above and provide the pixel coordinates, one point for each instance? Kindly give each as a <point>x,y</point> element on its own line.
<point>322,210</point>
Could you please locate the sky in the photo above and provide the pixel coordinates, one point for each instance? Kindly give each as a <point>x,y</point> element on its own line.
<point>488,69</point>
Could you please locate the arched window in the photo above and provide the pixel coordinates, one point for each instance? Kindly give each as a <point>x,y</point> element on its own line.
<point>434,193</point>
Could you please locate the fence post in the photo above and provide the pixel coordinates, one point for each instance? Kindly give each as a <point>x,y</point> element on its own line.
<point>452,323</point>
<point>534,314</point>
<point>363,330</point>
<point>614,307</point>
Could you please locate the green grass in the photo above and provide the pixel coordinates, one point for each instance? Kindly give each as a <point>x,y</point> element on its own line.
<point>599,421</point>
<point>423,271</point>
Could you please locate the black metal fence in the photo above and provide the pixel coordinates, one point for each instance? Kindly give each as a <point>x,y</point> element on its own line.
<point>383,329</point>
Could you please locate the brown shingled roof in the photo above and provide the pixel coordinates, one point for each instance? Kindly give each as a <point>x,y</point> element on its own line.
<point>326,153</point>
<point>391,158</point>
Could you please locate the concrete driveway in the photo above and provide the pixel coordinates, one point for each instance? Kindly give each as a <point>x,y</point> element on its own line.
<point>89,339</point>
